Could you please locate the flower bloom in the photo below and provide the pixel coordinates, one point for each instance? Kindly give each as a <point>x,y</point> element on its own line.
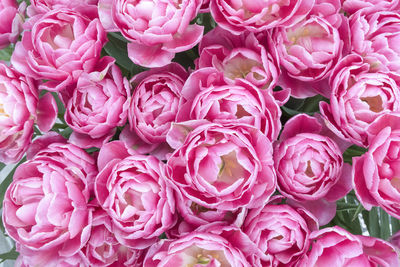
<point>359,95</point>
<point>11,19</point>
<point>156,29</point>
<point>281,232</point>
<point>209,97</point>
<point>242,15</point>
<point>20,108</point>
<point>60,46</point>
<point>45,207</point>
<point>243,56</point>
<point>155,101</point>
<point>334,246</point>
<point>221,166</point>
<point>86,7</point>
<point>103,249</point>
<point>308,163</point>
<point>369,6</point>
<point>96,107</point>
<point>213,245</point>
<point>375,35</point>
<point>131,188</point>
<point>375,173</point>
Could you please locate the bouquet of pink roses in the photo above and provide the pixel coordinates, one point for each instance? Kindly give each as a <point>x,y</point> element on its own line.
<point>200,133</point>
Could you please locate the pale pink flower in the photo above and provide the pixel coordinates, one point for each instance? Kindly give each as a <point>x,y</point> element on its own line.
<point>375,173</point>
<point>132,189</point>
<point>360,93</point>
<point>20,108</point>
<point>97,107</point>
<point>156,29</point>
<point>11,20</point>
<point>259,15</point>
<point>59,47</point>
<point>221,166</point>
<point>86,7</point>
<point>369,6</point>
<point>45,207</point>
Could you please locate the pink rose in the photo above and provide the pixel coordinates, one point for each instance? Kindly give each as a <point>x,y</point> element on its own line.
<point>213,245</point>
<point>86,7</point>
<point>61,45</point>
<point>155,101</point>
<point>96,107</point>
<point>308,163</point>
<point>335,246</point>
<point>221,166</point>
<point>359,95</point>
<point>246,56</point>
<point>45,207</point>
<point>256,16</point>
<point>102,248</point>
<point>308,51</point>
<point>210,97</point>
<point>156,29</point>
<point>131,188</point>
<point>369,6</point>
<point>11,19</point>
<point>375,173</point>
<point>20,108</point>
<point>281,233</point>
<point>375,35</point>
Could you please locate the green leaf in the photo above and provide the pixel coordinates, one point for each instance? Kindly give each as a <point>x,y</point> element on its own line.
<point>373,223</point>
<point>11,255</point>
<point>359,209</point>
<point>353,151</point>
<point>116,48</point>
<point>384,224</point>
<point>5,54</point>
<point>2,165</point>
<point>395,225</point>
<point>311,104</point>
<point>60,106</point>
<point>66,133</point>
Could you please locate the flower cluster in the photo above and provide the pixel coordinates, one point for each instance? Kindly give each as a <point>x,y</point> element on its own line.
<point>200,133</point>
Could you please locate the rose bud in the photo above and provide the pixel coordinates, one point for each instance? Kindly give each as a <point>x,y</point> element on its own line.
<point>132,189</point>
<point>156,29</point>
<point>359,95</point>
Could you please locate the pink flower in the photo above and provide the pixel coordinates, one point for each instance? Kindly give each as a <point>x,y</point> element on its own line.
<point>369,6</point>
<point>246,56</point>
<point>61,45</point>
<point>156,29</point>
<point>281,233</point>
<point>155,101</point>
<point>359,95</point>
<point>221,166</point>
<point>213,245</point>
<point>335,246</point>
<point>308,163</point>
<point>11,19</point>
<point>103,249</point>
<point>45,207</point>
<point>256,16</point>
<point>131,188</point>
<point>308,51</point>
<point>209,97</point>
<point>86,7</point>
<point>395,241</point>
<point>375,174</point>
<point>29,258</point>
<point>20,108</point>
<point>96,107</point>
<point>375,35</point>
